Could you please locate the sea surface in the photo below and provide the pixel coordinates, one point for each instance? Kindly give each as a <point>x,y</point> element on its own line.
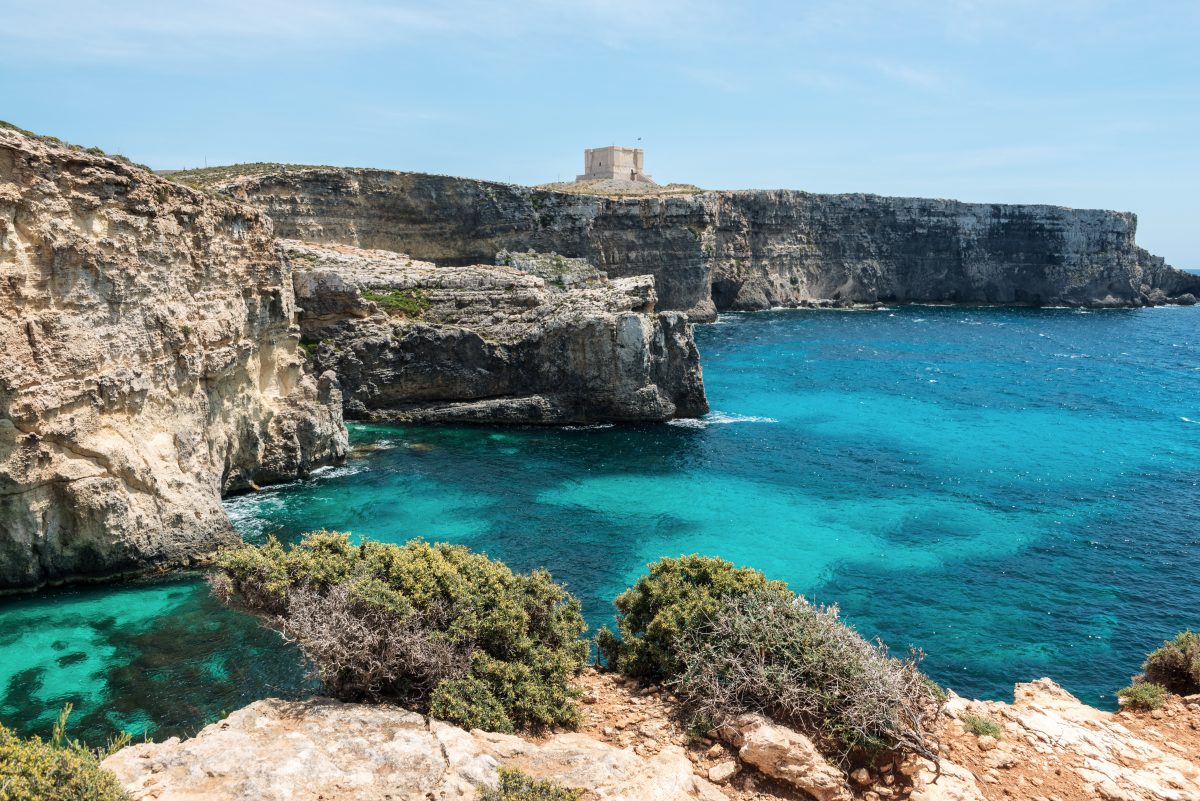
<point>1015,492</point>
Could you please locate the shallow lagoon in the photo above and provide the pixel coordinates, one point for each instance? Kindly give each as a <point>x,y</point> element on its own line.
<point>1013,491</point>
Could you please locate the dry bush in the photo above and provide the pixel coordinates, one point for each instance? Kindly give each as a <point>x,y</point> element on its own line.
<point>798,664</point>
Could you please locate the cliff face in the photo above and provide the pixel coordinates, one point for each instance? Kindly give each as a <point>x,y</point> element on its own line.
<point>413,342</point>
<point>737,250</point>
<point>150,365</point>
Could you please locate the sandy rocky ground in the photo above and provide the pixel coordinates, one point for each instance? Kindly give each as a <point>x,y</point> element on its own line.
<point>1053,749</point>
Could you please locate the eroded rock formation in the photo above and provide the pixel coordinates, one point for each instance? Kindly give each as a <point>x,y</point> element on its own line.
<point>150,365</point>
<point>736,250</point>
<point>413,342</point>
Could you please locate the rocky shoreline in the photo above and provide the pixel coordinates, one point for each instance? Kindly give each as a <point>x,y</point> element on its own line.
<point>412,342</point>
<point>632,746</point>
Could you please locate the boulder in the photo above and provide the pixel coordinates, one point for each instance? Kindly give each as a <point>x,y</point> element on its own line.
<point>787,755</point>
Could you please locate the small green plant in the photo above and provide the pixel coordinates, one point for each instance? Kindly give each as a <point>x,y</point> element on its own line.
<point>1176,665</point>
<point>656,611</point>
<point>516,785</point>
<point>982,726</point>
<point>58,770</point>
<point>432,626</point>
<point>1143,695</point>
<point>410,302</point>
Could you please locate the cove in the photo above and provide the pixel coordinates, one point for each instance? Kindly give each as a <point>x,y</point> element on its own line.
<point>1012,491</point>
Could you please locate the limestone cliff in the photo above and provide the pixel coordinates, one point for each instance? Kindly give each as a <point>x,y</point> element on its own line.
<point>413,342</point>
<point>734,250</point>
<point>150,365</point>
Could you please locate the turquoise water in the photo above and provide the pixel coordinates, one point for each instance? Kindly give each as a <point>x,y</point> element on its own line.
<point>1013,491</point>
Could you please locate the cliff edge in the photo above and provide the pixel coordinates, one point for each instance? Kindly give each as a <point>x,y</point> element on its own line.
<point>151,365</point>
<point>718,250</point>
<point>549,340</point>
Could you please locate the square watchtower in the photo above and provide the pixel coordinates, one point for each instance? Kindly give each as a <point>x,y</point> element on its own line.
<point>619,163</point>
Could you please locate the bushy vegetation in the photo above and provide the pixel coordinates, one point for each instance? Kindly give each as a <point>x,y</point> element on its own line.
<point>1176,665</point>
<point>432,626</point>
<point>982,726</point>
<point>57,770</point>
<point>799,664</point>
<point>516,785</point>
<point>411,302</point>
<point>673,599</point>
<point>1143,695</point>
<point>728,642</point>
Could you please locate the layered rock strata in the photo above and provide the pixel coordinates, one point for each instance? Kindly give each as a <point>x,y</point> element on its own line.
<point>497,344</point>
<point>150,366</point>
<point>736,250</point>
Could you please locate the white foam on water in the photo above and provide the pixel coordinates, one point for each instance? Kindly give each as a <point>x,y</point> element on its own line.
<point>331,471</point>
<point>589,427</point>
<point>1186,420</point>
<point>719,418</point>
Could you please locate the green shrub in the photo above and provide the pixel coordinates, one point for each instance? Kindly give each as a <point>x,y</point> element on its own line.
<point>516,785</point>
<point>59,770</point>
<point>773,652</point>
<point>432,626</point>
<point>1176,665</point>
<point>982,726</point>
<point>411,302</point>
<point>1143,695</point>
<point>656,611</point>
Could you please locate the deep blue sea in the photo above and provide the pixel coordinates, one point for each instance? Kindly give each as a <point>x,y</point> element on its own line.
<point>1014,491</point>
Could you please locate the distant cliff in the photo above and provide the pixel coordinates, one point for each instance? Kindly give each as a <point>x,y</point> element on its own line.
<point>150,364</point>
<point>734,250</point>
<point>413,342</point>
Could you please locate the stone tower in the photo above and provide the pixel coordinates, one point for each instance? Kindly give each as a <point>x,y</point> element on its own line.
<point>620,163</point>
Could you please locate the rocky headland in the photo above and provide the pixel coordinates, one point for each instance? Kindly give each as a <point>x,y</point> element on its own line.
<point>540,339</point>
<point>718,250</point>
<point>151,365</point>
<point>632,746</point>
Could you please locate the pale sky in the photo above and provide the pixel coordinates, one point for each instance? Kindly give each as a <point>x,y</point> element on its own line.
<point>1085,104</point>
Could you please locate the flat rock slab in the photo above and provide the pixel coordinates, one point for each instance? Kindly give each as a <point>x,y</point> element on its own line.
<point>304,751</point>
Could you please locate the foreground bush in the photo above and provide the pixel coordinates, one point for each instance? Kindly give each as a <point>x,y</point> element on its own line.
<point>516,785</point>
<point>676,597</point>
<point>58,770</point>
<point>800,665</point>
<point>1143,695</point>
<point>433,626</point>
<point>1176,666</point>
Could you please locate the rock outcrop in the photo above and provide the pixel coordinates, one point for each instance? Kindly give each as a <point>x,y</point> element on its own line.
<point>305,751</point>
<point>150,366</point>
<point>633,745</point>
<point>550,341</point>
<point>735,250</point>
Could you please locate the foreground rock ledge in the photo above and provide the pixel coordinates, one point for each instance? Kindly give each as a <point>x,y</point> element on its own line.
<point>295,751</point>
<point>632,746</point>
